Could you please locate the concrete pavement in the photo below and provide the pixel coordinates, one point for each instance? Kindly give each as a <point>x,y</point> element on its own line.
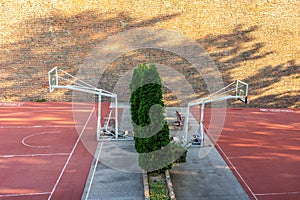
<point>208,178</point>
<point>205,175</point>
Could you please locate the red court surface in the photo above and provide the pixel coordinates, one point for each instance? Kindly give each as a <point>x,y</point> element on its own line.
<point>262,148</point>
<point>46,149</point>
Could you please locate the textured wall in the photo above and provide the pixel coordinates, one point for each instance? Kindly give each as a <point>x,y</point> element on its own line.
<point>257,42</point>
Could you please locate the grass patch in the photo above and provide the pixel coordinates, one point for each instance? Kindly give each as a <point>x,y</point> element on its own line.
<point>158,187</point>
<point>158,191</point>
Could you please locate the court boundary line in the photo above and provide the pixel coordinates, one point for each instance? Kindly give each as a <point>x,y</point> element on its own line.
<point>220,150</point>
<point>94,171</point>
<point>247,117</point>
<point>37,126</point>
<point>276,193</point>
<point>24,194</point>
<point>69,158</point>
<point>25,104</point>
<point>245,157</point>
<point>33,155</point>
<point>48,111</point>
<point>236,171</point>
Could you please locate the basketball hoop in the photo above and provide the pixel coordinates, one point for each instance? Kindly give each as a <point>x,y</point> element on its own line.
<point>239,90</point>
<point>58,79</point>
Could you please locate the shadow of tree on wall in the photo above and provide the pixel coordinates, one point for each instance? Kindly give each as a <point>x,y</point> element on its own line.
<point>267,77</point>
<point>160,57</point>
<point>229,51</point>
<point>40,44</point>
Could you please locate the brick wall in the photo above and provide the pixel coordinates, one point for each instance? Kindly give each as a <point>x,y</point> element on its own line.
<point>257,42</point>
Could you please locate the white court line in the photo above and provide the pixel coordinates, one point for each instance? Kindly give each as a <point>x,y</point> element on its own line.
<point>256,119</point>
<point>35,134</point>
<point>69,158</point>
<point>247,157</point>
<point>39,126</point>
<point>34,107</point>
<point>24,194</point>
<point>233,167</point>
<point>11,104</point>
<point>277,193</point>
<point>50,107</point>
<point>34,155</point>
<point>93,174</point>
<point>45,111</point>
<point>69,105</point>
<point>37,111</point>
<point>248,187</point>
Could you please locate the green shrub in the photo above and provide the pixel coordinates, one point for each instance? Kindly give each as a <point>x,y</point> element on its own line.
<point>151,130</point>
<point>40,100</point>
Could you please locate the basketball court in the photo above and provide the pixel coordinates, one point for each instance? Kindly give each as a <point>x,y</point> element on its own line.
<point>42,153</point>
<point>47,148</point>
<point>262,148</point>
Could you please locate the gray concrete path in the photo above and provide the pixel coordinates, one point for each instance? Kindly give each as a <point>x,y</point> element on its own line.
<point>116,175</point>
<point>207,178</point>
<point>205,175</point>
<point>109,182</point>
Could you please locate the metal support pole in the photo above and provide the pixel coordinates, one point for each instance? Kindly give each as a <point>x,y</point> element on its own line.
<point>116,117</point>
<point>99,116</point>
<point>186,121</point>
<point>202,120</point>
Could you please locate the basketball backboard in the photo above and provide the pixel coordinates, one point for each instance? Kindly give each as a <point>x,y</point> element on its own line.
<point>242,90</point>
<point>53,79</point>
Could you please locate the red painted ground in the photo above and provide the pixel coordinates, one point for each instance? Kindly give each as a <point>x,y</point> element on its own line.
<point>262,147</point>
<point>38,158</point>
<point>41,154</point>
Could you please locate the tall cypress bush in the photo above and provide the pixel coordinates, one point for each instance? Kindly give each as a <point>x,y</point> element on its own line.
<point>151,130</point>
